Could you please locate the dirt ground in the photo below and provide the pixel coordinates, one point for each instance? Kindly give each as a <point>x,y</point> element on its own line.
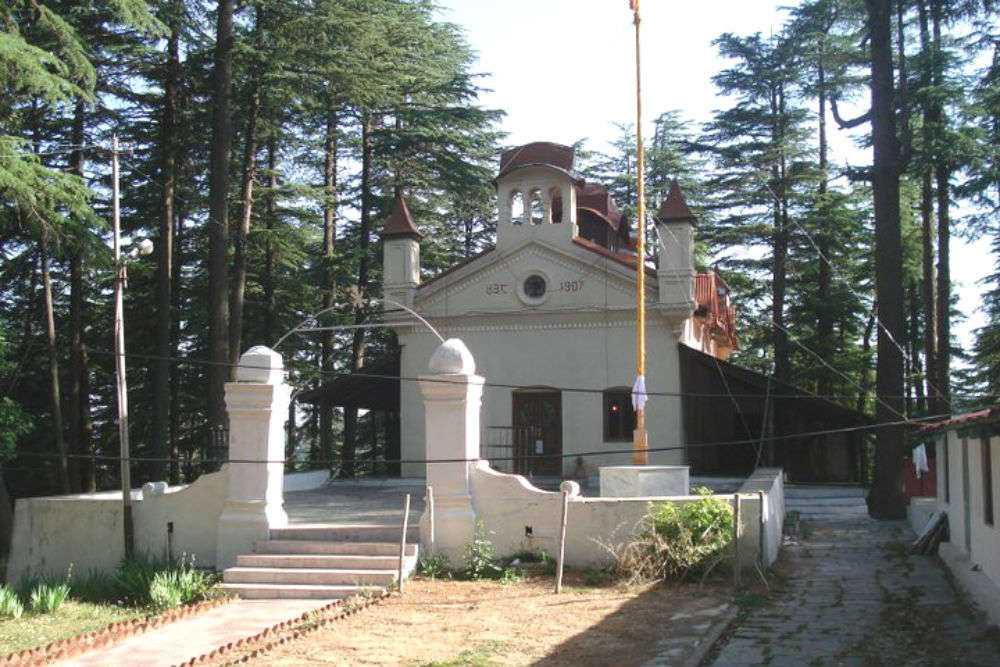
<point>490,623</point>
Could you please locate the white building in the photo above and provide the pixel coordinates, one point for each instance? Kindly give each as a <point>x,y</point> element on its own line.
<point>548,311</point>
<point>967,449</point>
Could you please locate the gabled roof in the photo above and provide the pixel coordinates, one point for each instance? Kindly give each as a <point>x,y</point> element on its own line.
<point>400,224</point>
<point>674,208</point>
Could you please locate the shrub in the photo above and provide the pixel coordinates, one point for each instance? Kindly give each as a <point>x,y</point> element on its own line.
<point>181,585</point>
<point>144,580</point>
<point>434,567</point>
<point>134,577</point>
<point>481,557</point>
<point>10,603</point>
<point>47,598</point>
<point>678,540</point>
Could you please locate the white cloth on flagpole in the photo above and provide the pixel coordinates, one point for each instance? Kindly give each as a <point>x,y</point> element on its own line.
<point>920,464</point>
<point>639,393</point>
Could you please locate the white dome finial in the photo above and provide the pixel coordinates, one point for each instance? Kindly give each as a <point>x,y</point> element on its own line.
<point>452,357</point>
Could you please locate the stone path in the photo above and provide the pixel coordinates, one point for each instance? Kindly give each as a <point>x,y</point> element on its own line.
<point>181,641</point>
<point>850,594</point>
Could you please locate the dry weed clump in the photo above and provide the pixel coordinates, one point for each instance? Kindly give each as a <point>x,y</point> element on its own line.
<point>676,541</point>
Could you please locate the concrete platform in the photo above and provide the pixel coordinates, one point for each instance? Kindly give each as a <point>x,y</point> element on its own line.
<point>377,501</point>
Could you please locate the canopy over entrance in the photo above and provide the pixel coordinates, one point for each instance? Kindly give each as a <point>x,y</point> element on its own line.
<point>375,387</point>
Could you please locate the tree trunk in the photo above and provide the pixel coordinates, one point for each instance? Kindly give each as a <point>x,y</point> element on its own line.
<point>267,275</point>
<point>162,403</point>
<point>866,348</point>
<point>218,217</point>
<point>54,388</point>
<point>927,289</point>
<point>916,372</point>
<point>929,279</point>
<point>239,283</point>
<point>175,337</point>
<point>80,424</point>
<point>824,320</point>
<point>943,297</point>
<point>358,344</point>
<point>942,176</point>
<point>886,499</point>
<point>780,241</point>
<point>329,341</point>
<point>6,518</point>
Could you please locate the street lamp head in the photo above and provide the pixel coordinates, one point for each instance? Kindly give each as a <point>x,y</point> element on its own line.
<point>145,247</point>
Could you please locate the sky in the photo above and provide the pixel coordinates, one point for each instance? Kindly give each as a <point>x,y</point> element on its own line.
<point>563,70</point>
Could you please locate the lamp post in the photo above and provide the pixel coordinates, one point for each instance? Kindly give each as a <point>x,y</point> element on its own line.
<point>144,248</point>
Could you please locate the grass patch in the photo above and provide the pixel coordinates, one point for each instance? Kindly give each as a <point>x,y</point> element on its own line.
<point>72,618</point>
<point>40,610</point>
<point>481,656</point>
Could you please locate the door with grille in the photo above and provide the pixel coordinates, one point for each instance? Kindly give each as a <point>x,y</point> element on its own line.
<point>537,433</point>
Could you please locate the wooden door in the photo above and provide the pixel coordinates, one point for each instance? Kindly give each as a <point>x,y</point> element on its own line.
<point>537,436</point>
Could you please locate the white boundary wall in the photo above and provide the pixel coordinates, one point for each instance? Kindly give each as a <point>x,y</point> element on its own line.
<point>518,516</point>
<point>85,530</point>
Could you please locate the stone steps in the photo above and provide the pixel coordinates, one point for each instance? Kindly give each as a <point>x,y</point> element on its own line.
<point>322,561</point>
<point>333,548</point>
<point>297,591</point>
<point>319,561</point>
<point>364,532</point>
<point>303,575</point>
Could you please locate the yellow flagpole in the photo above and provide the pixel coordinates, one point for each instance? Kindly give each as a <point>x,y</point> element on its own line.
<point>640,446</point>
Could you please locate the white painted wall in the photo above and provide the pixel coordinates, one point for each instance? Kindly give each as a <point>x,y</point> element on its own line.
<point>973,555</point>
<point>983,539</point>
<point>508,506</point>
<point>85,530</point>
<point>596,357</point>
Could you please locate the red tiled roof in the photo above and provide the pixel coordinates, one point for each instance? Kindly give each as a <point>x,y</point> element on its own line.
<point>674,208</point>
<point>539,152</point>
<point>400,222</point>
<point>622,258</point>
<point>597,198</point>
<point>719,314</point>
<point>958,421</point>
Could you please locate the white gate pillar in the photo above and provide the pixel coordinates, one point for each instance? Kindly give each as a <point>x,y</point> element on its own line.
<point>453,396</point>
<point>257,404</point>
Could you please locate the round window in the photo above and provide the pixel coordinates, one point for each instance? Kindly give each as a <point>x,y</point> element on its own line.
<point>534,287</point>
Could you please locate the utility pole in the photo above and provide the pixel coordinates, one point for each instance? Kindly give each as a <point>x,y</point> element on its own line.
<point>640,445</point>
<point>120,381</point>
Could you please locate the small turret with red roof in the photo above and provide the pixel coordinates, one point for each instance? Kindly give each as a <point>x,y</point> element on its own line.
<point>401,254</point>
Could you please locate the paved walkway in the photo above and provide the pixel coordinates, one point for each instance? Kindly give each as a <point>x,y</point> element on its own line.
<point>369,501</point>
<point>189,638</point>
<point>850,594</point>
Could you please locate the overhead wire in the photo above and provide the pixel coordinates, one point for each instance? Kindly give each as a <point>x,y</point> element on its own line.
<point>602,452</point>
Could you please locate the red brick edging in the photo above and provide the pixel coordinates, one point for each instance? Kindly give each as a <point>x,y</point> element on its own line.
<point>73,647</point>
<point>286,631</point>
